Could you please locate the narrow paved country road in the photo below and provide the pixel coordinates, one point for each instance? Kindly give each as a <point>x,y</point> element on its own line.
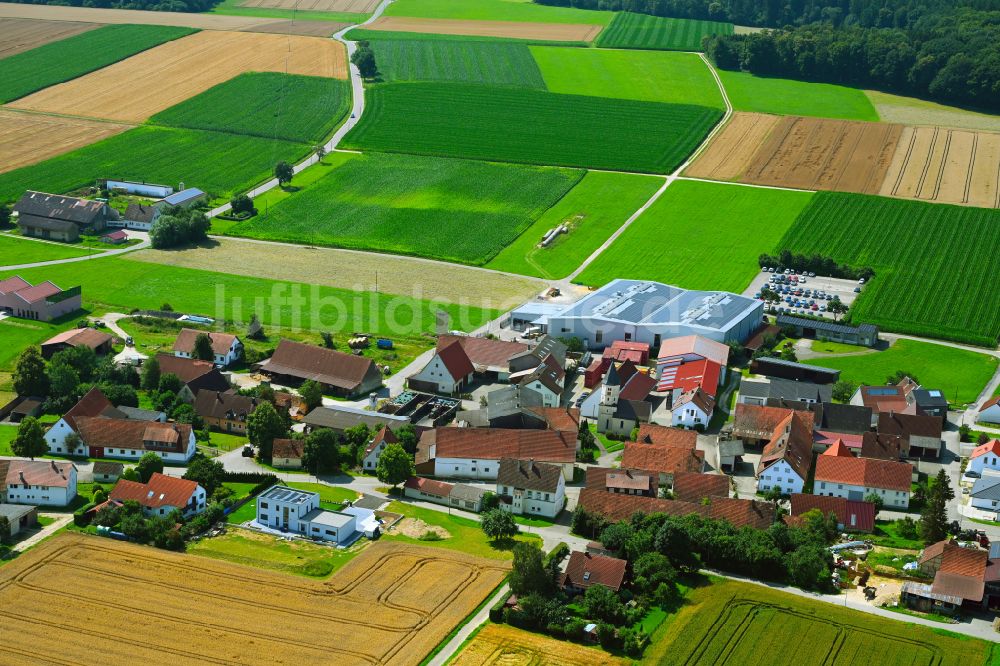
<point>357,109</point>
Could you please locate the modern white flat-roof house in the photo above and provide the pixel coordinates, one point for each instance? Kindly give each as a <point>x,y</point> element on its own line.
<point>290,510</point>
<point>643,311</point>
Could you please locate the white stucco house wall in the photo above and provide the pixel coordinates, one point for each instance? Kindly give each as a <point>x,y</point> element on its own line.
<point>985,457</point>
<point>780,474</point>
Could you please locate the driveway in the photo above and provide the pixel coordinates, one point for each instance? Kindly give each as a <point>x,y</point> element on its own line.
<point>60,520</point>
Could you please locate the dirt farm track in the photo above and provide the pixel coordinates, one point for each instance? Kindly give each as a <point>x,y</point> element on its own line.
<point>78,599</point>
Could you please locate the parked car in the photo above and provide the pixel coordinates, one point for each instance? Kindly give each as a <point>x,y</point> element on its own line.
<point>811,274</point>
<point>857,290</point>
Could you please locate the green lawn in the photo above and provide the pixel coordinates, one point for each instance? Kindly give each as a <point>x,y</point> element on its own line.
<point>247,511</point>
<point>7,434</point>
<point>930,279</point>
<point>17,250</point>
<point>700,236</point>
<point>266,104</point>
<point>270,552</point>
<point>118,284</point>
<point>593,210</point>
<point>161,155</point>
<point>226,441</point>
<point>49,64</point>
<point>653,76</point>
<point>16,334</point>
<point>455,210</point>
<point>958,373</point>
<point>490,63</point>
<point>887,534</point>
<point>465,534</point>
<point>496,10</point>
<point>826,347</point>
<point>490,123</point>
<point>642,31</point>
<point>331,494</point>
<point>796,98</point>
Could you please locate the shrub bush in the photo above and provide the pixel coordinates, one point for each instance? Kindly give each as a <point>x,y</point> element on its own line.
<point>80,516</point>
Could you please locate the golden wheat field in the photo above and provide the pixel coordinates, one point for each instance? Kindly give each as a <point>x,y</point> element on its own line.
<point>503,645</point>
<point>138,87</point>
<point>80,600</point>
<point>27,138</point>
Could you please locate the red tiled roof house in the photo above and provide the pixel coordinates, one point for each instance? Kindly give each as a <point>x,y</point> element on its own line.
<point>585,570</point>
<point>161,495</point>
<point>475,453</point>
<point>855,478</point>
<point>226,348</point>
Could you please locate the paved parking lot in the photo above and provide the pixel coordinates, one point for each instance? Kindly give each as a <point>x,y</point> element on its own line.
<point>833,286</point>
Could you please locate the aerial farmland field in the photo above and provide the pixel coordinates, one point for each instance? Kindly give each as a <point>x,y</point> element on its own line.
<point>184,68</point>
<point>490,63</point>
<point>701,633</point>
<point>456,210</point>
<point>17,35</point>
<point>496,10</point>
<point>502,644</point>
<point>642,31</point>
<point>724,229</point>
<point>390,605</point>
<point>17,250</point>
<point>266,104</point>
<point>74,56</point>
<point>481,122</point>
<point>654,76</point>
<point>27,138</point>
<point>550,32</point>
<point>934,263</point>
<point>592,210</point>
<point>800,98</point>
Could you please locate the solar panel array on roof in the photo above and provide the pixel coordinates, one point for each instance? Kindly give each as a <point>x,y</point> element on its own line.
<point>892,390</point>
<point>285,494</point>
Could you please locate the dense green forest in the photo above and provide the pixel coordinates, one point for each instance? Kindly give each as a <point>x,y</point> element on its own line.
<point>947,50</point>
<point>151,5</point>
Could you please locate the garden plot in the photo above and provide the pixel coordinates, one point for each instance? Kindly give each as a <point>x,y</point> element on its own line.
<point>98,601</point>
<point>946,165</point>
<point>17,35</point>
<point>552,32</point>
<point>183,68</point>
<point>27,138</point>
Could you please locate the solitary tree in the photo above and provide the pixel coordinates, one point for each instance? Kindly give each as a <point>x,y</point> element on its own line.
<point>30,439</point>
<point>72,441</point>
<point>934,517</point>
<point>843,390</point>
<point>875,499</point>
<point>150,374</point>
<point>203,348</point>
<point>836,307</point>
<point>394,465</point>
<point>149,464</point>
<point>283,172</point>
<point>264,425</point>
<point>320,151</point>
<point>29,373</point>
<point>321,451</point>
<point>498,524</point>
<point>899,376</point>
<point>364,60</point>
<point>312,393</point>
<point>241,203</point>
<point>206,472</point>
<point>4,529</point>
<point>407,438</point>
<point>528,574</point>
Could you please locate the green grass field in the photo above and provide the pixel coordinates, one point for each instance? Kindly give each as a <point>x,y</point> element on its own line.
<point>330,494</point>
<point>232,8</point>
<point>530,126</point>
<point>161,155</point>
<point>457,210</point>
<point>958,373</point>
<point>16,334</point>
<point>49,64</point>
<point>700,236</point>
<point>496,10</point>
<point>935,264</point>
<point>266,104</point>
<point>118,284</point>
<point>491,63</point>
<point>361,34</point>
<point>653,76</point>
<point>796,98</point>
<point>642,31</point>
<point>17,250</point>
<point>599,204</point>
<point>777,627</point>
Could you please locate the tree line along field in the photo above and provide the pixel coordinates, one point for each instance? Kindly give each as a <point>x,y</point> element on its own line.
<point>456,210</point>
<point>935,264</point>
<point>958,373</point>
<point>731,623</point>
<point>266,104</point>
<point>592,210</point>
<point>69,58</point>
<point>390,605</point>
<point>491,63</point>
<point>700,236</point>
<point>492,123</point>
<point>642,31</point>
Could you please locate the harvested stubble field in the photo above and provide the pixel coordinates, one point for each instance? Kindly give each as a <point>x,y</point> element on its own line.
<point>390,605</point>
<point>802,153</point>
<point>353,6</point>
<point>642,31</point>
<point>947,165</point>
<point>504,645</point>
<point>27,138</point>
<point>448,283</point>
<point>551,32</point>
<point>182,69</point>
<point>17,35</point>
<point>737,623</point>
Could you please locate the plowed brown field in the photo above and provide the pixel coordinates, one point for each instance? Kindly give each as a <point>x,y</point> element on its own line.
<point>803,153</point>
<point>555,32</point>
<point>17,35</point>
<point>946,165</point>
<point>27,138</point>
<point>355,6</point>
<point>503,645</point>
<point>138,87</point>
<point>83,600</point>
